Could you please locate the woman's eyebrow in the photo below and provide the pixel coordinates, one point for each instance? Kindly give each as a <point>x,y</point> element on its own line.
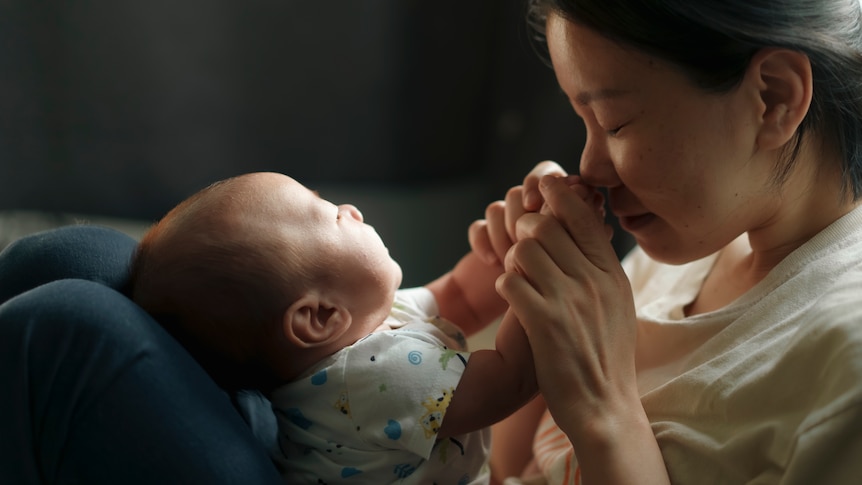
<point>585,98</point>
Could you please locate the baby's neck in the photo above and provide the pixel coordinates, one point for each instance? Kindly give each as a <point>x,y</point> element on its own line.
<point>309,358</point>
<point>382,327</point>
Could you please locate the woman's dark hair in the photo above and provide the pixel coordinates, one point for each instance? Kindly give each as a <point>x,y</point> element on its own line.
<point>713,42</point>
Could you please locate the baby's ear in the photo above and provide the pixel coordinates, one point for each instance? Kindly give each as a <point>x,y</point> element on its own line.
<point>311,321</point>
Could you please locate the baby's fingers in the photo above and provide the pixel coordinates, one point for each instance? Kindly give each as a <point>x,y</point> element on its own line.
<point>580,221</point>
<point>533,198</point>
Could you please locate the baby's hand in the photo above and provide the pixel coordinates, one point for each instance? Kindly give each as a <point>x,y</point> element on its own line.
<point>491,237</point>
<point>531,196</point>
<point>587,193</point>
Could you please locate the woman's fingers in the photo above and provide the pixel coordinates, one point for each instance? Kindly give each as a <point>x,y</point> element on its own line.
<point>580,221</point>
<point>492,236</point>
<point>514,210</point>
<point>480,242</point>
<point>565,284</point>
<point>498,234</point>
<point>521,295</point>
<point>545,247</point>
<point>532,196</point>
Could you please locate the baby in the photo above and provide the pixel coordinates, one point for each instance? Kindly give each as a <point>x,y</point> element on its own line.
<point>271,287</point>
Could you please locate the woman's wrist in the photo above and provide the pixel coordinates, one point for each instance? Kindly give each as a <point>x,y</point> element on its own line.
<point>617,446</point>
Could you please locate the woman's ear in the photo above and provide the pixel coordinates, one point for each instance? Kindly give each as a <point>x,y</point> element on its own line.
<point>784,81</point>
<point>311,321</point>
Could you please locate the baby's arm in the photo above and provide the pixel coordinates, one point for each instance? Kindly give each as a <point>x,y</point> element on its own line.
<point>495,383</point>
<point>466,295</point>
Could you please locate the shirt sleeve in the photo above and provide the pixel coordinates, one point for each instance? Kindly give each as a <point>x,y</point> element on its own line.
<point>828,446</point>
<point>416,302</point>
<point>399,387</point>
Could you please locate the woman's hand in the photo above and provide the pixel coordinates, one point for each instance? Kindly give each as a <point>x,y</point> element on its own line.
<point>532,198</point>
<point>491,237</point>
<point>566,286</point>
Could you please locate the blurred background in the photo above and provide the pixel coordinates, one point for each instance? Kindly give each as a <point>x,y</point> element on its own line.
<point>419,113</point>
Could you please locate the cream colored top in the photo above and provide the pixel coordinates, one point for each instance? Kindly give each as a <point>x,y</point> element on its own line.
<point>765,390</point>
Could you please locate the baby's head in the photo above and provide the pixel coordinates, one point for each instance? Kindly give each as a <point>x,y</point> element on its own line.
<point>259,277</point>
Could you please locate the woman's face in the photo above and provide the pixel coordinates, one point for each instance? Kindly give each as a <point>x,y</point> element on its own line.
<point>681,165</point>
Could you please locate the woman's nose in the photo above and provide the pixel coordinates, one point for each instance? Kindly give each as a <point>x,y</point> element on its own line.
<point>352,211</point>
<point>596,167</point>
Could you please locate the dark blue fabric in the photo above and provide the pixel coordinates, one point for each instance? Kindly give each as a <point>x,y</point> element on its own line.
<point>87,252</point>
<point>95,391</point>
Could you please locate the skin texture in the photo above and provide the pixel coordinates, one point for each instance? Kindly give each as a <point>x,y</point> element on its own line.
<point>336,281</point>
<point>688,173</point>
<point>367,275</point>
<point>339,311</point>
<point>495,383</point>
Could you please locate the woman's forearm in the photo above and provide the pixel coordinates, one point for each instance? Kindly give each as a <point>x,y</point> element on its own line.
<point>618,447</point>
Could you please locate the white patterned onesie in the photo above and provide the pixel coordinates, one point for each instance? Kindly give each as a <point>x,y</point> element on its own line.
<point>370,413</point>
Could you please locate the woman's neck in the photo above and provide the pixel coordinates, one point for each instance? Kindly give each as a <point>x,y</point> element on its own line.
<point>810,200</point>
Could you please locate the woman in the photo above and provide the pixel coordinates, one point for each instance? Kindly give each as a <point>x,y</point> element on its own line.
<point>727,347</point>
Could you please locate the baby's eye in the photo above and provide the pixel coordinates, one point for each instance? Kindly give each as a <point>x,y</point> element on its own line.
<point>614,131</point>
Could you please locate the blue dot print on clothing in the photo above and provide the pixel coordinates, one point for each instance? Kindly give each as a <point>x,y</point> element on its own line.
<point>415,357</point>
<point>319,379</point>
<point>393,429</point>
<point>349,471</point>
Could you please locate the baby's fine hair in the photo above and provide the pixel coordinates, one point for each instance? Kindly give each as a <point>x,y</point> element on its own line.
<point>712,41</point>
<point>208,285</point>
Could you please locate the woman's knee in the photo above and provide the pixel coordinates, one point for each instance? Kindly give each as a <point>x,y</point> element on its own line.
<point>97,389</point>
<point>85,252</point>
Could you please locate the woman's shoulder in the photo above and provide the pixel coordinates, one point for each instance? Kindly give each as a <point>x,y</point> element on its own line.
<point>841,305</point>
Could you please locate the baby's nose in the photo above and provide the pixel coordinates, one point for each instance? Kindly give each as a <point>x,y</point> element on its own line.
<point>353,211</point>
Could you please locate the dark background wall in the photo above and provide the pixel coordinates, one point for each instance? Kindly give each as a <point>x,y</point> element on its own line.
<point>419,112</point>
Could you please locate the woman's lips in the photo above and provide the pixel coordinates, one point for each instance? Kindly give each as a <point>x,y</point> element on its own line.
<point>635,222</point>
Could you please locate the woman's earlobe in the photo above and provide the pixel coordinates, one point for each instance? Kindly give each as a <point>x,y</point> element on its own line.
<point>312,322</point>
<point>785,84</point>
